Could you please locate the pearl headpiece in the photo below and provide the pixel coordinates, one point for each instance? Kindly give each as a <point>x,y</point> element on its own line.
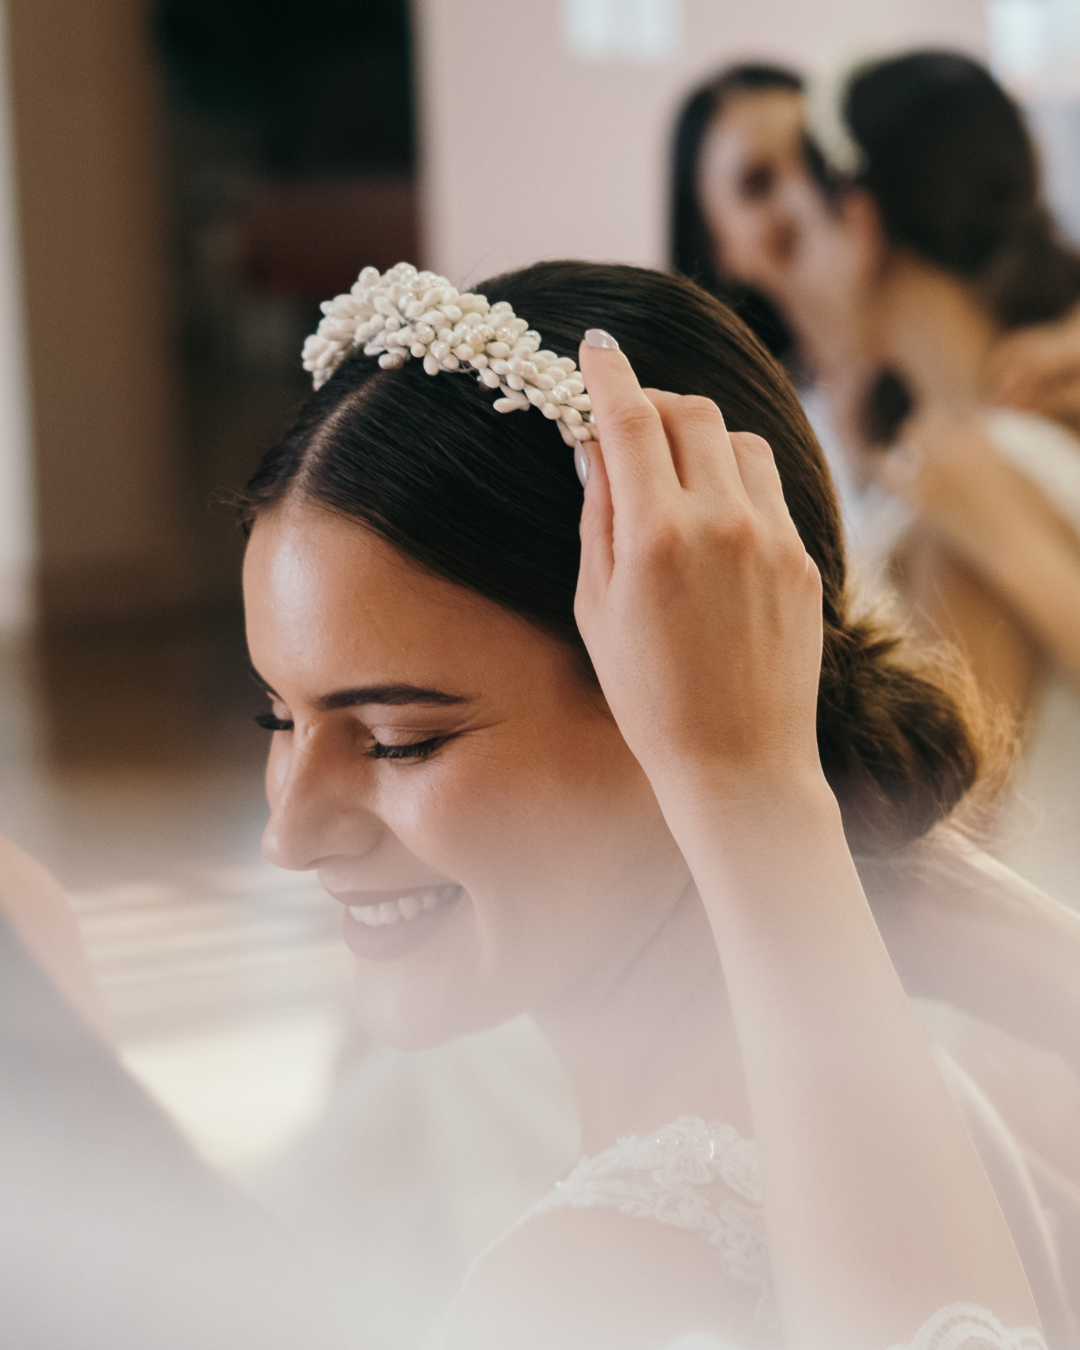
<point>827,121</point>
<point>403,313</point>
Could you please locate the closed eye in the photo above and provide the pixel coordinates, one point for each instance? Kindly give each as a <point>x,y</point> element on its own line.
<point>271,722</point>
<point>413,750</point>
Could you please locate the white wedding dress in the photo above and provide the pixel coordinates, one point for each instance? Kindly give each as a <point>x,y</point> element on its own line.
<point>703,1179</point>
<point>1038,829</point>
<point>427,1157</point>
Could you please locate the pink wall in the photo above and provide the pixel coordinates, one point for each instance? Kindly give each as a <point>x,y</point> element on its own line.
<point>531,152</point>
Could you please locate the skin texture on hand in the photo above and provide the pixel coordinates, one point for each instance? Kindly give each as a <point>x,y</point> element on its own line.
<point>699,605</point>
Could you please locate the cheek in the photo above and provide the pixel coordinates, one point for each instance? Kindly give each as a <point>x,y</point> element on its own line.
<point>529,832</point>
<point>477,817</point>
<point>749,226</point>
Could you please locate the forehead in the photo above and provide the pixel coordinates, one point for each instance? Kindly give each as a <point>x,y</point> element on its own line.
<point>326,599</point>
<point>765,122</point>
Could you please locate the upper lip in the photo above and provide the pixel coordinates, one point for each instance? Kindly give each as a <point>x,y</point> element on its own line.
<point>358,897</point>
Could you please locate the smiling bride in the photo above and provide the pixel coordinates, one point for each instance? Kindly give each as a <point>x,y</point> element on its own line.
<point>604,759</point>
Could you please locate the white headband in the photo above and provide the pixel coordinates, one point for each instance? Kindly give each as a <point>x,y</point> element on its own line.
<point>404,313</point>
<point>827,123</point>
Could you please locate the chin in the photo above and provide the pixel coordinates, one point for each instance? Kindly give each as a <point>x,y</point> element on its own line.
<point>409,1019</point>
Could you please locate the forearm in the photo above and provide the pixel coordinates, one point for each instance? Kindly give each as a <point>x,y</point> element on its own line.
<point>966,931</point>
<point>829,1043</point>
<point>1037,573</point>
<point>1004,528</point>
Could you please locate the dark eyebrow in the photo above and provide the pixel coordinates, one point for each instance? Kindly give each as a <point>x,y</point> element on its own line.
<point>386,695</point>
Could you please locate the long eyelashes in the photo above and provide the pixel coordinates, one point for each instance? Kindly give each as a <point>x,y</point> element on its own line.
<point>269,722</point>
<point>416,750</point>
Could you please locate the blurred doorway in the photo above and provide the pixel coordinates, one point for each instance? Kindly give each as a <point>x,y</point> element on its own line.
<point>291,157</point>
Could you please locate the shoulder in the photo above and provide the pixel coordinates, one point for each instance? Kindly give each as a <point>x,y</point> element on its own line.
<point>590,1279</point>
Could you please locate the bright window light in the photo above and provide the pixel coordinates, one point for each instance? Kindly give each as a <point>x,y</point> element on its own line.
<point>645,32</point>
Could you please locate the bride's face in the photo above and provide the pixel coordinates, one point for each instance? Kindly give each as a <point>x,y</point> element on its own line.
<point>457,784</point>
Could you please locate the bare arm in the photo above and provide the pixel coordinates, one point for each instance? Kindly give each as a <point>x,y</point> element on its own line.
<point>997,521</point>
<point>948,601</point>
<point>1038,369</point>
<point>962,928</point>
<point>702,614</point>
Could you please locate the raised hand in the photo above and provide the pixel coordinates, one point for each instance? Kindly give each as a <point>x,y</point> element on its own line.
<point>702,614</point>
<point>697,601</point>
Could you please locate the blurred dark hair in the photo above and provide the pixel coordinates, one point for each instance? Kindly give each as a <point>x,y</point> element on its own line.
<point>953,171</point>
<point>491,502</point>
<point>693,250</point>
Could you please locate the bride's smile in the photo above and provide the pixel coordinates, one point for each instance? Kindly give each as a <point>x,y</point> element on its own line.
<point>456,779</point>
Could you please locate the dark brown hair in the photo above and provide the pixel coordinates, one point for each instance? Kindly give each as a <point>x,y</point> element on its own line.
<point>694,251</point>
<point>952,169</point>
<point>491,502</point>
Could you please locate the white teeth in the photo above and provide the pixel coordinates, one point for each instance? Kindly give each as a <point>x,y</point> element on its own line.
<point>408,907</point>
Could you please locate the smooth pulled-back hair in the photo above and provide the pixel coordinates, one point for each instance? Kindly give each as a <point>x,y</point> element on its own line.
<point>954,173</point>
<point>490,502</point>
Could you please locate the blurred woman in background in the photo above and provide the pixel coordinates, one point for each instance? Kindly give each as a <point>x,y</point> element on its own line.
<point>988,549</point>
<point>920,273</point>
<point>737,140</point>
<point>924,245</point>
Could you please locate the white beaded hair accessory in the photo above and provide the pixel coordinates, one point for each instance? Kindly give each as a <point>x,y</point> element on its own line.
<point>403,314</point>
<point>827,124</point>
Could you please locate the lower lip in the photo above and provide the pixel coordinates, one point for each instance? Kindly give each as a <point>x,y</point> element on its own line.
<point>390,940</point>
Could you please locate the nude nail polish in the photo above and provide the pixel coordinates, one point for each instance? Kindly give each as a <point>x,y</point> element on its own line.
<point>596,337</point>
<point>581,464</point>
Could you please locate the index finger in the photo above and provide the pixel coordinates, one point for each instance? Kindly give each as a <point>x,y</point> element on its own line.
<point>636,453</point>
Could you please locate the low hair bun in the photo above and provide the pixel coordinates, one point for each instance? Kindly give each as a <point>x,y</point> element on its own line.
<point>895,737</point>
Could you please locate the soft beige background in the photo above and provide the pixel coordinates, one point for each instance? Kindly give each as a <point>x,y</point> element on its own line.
<point>531,152</point>
<point>528,151</point>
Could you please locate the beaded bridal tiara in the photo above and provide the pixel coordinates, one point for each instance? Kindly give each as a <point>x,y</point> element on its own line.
<point>403,313</point>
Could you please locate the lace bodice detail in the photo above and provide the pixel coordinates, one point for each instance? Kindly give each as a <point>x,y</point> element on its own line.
<point>697,1177</point>
<point>704,1179</point>
<point>965,1326</point>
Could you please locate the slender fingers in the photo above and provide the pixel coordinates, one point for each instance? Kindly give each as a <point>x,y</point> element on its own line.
<point>656,443</point>
<point>760,477</point>
<point>635,450</point>
<point>699,444</point>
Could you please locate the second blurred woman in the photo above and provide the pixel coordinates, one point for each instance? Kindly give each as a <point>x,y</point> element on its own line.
<point>941,244</point>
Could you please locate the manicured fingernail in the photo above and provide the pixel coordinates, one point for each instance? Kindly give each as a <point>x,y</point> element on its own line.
<point>596,337</point>
<point>581,463</point>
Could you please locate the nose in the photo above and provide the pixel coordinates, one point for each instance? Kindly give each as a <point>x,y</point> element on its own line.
<point>318,803</point>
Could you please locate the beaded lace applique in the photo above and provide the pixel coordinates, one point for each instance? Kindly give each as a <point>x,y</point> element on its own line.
<point>965,1326</point>
<point>667,1176</point>
<point>670,1176</point>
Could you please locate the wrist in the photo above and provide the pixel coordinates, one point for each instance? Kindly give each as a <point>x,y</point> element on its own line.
<point>730,807</point>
